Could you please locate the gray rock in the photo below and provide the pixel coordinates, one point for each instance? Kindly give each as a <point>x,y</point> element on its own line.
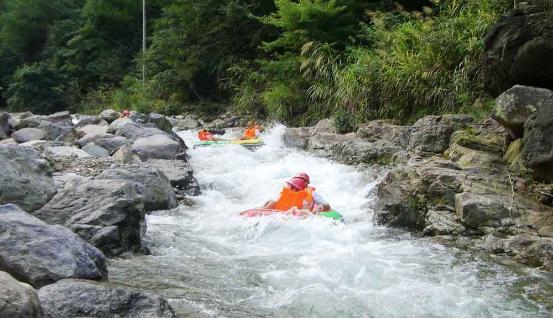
<point>188,123</point>
<point>17,299</point>
<point>118,124</point>
<point>179,173</point>
<point>66,151</point>
<point>109,115</point>
<point>538,254</point>
<point>40,254</point>
<point>297,137</point>
<point>537,150</point>
<point>148,181</point>
<point>514,106</point>
<point>477,210</point>
<point>28,134</point>
<point>96,151</point>
<point>25,177</point>
<point>84,298</point>
<point>134,131</point>
<point>84,120</point>
<point>138,117</point>
<point>546,231</point>
<point>8,141</point>
<point>125,155</point>
<point>517,49</point>
<point>60,131</point>
<point>108,141</point>
<point>160,121</point>
<point>442,223</point>
<point>30,120</point>
<point>431,134</point>
<point>4,126</point>
<point>158,146</point>
<point>383,130</point>
<point>107,213</point>
<point>325,126</point>
<point>92,129</point>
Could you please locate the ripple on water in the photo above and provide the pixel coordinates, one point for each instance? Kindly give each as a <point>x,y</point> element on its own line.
<point>210,262</point>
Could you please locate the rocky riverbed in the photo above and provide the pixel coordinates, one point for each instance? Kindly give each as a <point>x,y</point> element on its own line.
<point>483,184</point>
<point>75,190</point>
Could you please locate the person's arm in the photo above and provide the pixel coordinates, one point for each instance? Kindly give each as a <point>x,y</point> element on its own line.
<point>320,204</point>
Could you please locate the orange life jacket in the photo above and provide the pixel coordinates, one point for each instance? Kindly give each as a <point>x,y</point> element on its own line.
<point>250,133</point>
<point>205,136</point>
<point>289,198</point>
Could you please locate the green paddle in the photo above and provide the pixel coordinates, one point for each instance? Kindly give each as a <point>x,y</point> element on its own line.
<point>332,214</point>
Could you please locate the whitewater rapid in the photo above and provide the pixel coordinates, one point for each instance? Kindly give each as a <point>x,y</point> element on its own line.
<point>209,262</point>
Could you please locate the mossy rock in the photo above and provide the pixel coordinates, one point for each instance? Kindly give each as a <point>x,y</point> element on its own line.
<point>513,156</point>
<point>491,143</point>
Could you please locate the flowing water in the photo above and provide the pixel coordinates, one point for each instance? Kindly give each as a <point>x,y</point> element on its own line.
<point>209,262</point>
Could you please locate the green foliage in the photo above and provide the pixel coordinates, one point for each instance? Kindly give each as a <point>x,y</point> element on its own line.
<point>345,122</point>
<point>36,88</point>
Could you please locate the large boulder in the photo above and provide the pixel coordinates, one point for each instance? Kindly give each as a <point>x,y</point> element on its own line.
<point>4,125</point>
<point>431,134</point>
<point>107,213</point>
<point>84,120</point>
<point>514,106</point>
<point>28,134</point>
<point>297,137</point>
<point>148,181</point>
<point>158,146</point>
<point>160,122</point>
<point>85,298</point>
<point>30,120</point>
<point>17,299</point>
<point>118,124</point>
<point>109,115</point>
<point>537,142</point>
<point>25,178</point>
<point>187,123</point>
<point>92,129</point>
<point>179,173</point>
<point>40,254</point>
<point>60,131</point>
<point>518,49</point>
<point>479,210</point>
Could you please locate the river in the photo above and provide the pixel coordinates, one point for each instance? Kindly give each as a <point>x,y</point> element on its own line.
<point>209,262</point>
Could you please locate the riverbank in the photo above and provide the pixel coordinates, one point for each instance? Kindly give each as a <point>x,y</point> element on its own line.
<point>484,185</point>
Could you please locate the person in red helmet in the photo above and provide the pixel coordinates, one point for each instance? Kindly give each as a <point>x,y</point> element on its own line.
<point>299,196</point>
<point>125,113</point>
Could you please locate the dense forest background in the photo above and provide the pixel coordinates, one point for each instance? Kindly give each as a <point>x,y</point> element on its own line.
<point>294,61</point>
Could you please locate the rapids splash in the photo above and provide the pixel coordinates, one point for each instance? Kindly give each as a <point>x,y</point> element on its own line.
<point>209,262</point>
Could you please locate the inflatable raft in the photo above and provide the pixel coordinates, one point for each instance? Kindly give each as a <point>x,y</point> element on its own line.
<point>256,212</point>
<point>246,143</point>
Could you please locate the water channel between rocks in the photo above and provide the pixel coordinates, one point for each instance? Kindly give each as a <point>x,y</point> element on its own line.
<point>210,262</point>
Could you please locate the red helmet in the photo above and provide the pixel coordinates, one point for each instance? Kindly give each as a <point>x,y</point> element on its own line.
<point>300,181</point>
<point>126,113</point>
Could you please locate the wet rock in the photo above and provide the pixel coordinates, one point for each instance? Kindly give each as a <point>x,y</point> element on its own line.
<point>514,106</point>
<point>537,142</point>
<point>442,223</point>
<point>40,254</point>
<point>158,146</point>
<point>92,129</point>
<point>25,177</point>
<point>107,213</point>
<point>398,204</point>
<point>84,298</point>
<point>148,181</point>
<point>179,173</point>
<point>65,151</point>
<point>109,115</point>
<point>478,210</point>
<point>28,134</point>
<point>17,299</point>
<point>95,150</point>
<point>517,48</point>
<point>297,137</point>
<point>4,126</point>
<point>538,254</point>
